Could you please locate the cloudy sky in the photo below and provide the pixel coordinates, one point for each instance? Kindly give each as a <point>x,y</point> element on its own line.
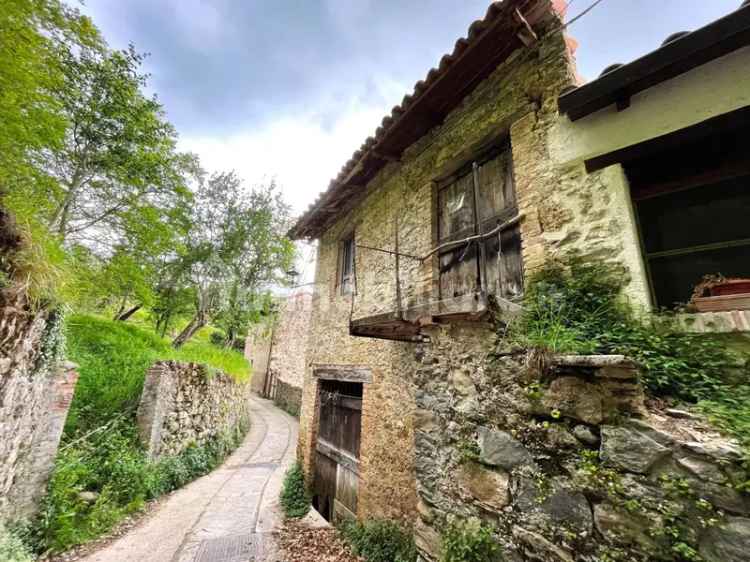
<point>290,88</point>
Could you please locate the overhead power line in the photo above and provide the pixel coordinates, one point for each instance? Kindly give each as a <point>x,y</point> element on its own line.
<point>583,13</point>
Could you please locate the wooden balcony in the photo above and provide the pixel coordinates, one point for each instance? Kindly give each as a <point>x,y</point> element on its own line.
<point>406,325</point>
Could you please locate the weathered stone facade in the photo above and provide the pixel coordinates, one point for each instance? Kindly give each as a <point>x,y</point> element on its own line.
<point>289,351</point>
<point>288,397</point>
<point>400,204</point>
<point>277,351</point>
<point>258,353</point>
<point>563,460</point>
<point>35,394</point>
<point>559,470</point>
<point>185,403</point>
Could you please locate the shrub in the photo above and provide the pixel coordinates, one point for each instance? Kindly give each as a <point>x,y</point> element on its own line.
<point>12,548</point>
<point>577,307</point>
<point>469,541</point>
<point>113,465</point>
<point>294,497</point>
<point>379,540</point>
<point>218,338</point>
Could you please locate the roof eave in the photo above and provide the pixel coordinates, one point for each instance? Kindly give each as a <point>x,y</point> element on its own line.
<point>424,109</point>
<point>723,36</point>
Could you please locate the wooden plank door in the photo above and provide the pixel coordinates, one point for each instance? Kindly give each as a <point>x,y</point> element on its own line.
<point>336,482</point>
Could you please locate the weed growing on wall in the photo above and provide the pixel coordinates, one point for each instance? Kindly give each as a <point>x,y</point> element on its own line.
<point>295,500</point>
<point>469,541</point>
<point>379,540</point>
<point>577,307</point>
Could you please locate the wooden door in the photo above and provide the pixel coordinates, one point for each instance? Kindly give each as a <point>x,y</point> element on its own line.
<point>336,482</point>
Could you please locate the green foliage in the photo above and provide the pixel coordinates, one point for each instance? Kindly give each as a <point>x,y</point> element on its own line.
<point>379,540</point>
<point>218,338</point>
<point>33,33</point>
<point>469,541</point>
<point>113,359</point>
<point>469,450</point>
<point>729,410</point>
<point>236,248</point>
<point>577,307</point>
<point>12,548</point>
<point>294,497</point>
<point>113,465</point>
<point>101,452</point>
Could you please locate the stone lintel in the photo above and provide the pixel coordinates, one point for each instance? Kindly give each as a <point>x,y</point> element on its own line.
<point>344,373</point>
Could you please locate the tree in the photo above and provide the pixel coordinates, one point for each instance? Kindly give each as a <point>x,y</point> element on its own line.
<point>236,248</point>
<point>33,33</point>
<point>118,168</point>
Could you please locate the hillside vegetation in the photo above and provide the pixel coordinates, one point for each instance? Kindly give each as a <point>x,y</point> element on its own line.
<point>102,474</point>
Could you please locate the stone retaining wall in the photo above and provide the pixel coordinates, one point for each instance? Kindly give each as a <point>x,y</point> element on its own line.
<point>185,403</point>
<point>35,395</point>
<point>561,457</point>
<point>288,397</point>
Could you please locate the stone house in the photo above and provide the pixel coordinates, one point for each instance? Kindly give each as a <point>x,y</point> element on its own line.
<point>277,352</point>
<point>498,162</point>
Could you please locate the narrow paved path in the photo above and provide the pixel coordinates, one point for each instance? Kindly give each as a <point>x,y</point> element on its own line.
<point>226,515</point>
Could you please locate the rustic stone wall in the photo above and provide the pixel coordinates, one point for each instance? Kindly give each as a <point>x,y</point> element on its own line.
<point>35,394</point>
<point>288,397</point>
<point>289,351</point>
<point>185,403</point>
<point>258,353</point>
<point>400,202</point>
<point>562,458</point>
<point>290,339</point>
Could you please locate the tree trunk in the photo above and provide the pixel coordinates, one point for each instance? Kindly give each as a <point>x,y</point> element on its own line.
<point>123,316</point>
<point>121,309</point>
<point>198,321</point>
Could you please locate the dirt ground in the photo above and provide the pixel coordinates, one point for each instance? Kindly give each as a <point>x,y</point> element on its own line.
<point>300,543</point>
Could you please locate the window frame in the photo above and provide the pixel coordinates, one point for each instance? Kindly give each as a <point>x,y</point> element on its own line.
<point>346,264</point>
<point>465,172</point>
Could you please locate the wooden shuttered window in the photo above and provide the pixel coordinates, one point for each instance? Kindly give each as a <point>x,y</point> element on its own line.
<point>459,218</point>
<point>346,265</point>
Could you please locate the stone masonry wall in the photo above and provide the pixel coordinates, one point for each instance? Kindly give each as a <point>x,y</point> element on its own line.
<point>400,199</point>
<point>35,394</point>
<point>289,351</point>
<point>185,403</point>
<point>288,397</point>
<point>564,461</point>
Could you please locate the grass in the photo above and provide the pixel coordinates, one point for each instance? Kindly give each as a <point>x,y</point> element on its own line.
<point>100,451</point>
<point>113,358</point>
<point>295,501</point>
<point>469,541</point>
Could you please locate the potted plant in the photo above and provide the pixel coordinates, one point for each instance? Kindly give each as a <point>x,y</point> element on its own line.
<point>716,293</point>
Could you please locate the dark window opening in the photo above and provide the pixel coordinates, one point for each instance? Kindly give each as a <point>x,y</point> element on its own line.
<point>346,266</point>
<point>693,207</point>
<point>461,215</point>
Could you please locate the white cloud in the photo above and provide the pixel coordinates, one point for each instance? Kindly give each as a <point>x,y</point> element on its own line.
<point>302,152</point>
